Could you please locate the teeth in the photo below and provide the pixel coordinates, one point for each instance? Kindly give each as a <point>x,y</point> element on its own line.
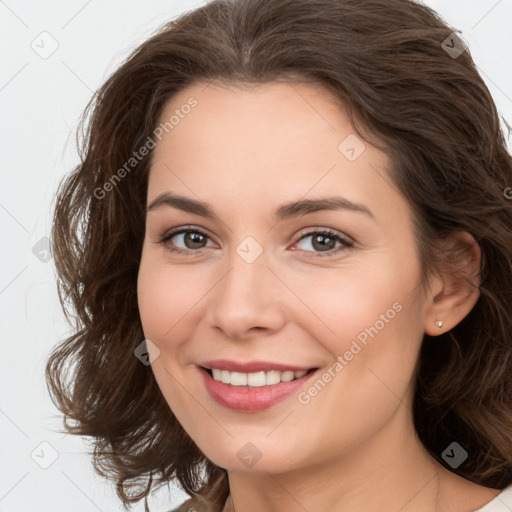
<point>225,376</point>
<point>256,379</point>
<point>273,377</point>
<point>238,379</point>
<point>287,376</point>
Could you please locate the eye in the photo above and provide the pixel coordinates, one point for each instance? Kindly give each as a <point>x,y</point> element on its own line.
<point>193,238</point>
<point>324,241</point>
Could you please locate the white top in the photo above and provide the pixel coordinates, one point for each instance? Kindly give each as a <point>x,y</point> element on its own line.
<point>502,502</point>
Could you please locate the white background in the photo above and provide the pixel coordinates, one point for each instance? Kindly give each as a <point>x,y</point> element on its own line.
<point>41,100</point>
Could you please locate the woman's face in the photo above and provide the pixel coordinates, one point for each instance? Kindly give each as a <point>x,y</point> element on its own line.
<point>259,284</point>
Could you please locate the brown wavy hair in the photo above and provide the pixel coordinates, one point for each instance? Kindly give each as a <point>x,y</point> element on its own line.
<point>432,114</point>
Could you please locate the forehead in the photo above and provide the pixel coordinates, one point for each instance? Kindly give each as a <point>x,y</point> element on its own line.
<point>274,141</point>
<point>284,118</point>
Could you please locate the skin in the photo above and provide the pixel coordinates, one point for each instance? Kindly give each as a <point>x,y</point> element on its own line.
<point>353,447</point>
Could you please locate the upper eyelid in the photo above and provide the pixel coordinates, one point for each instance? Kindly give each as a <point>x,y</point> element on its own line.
<point>310,231</point>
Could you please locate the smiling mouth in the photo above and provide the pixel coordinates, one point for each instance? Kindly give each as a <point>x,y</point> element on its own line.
<point>263,385</point>
<point>255,379</point>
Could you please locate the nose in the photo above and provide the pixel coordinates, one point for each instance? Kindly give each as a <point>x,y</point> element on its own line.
<point>248,300</point>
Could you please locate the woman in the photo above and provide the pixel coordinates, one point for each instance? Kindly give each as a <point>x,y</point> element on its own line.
<point>289,251</point>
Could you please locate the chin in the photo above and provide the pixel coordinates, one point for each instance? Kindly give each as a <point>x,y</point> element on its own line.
<point>252,456</point>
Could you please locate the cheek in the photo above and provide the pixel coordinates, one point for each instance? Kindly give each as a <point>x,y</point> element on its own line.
<point>166,295</point>
<point>151,299</point>
<point>166,299</point>
<point>356,302</point>
<point>369,319</point>
<point>370,322</point>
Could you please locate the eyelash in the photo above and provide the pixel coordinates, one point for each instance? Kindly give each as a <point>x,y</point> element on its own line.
<point>346,243</point>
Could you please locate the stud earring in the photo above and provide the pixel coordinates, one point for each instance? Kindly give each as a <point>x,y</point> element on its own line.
<point>439,323</point>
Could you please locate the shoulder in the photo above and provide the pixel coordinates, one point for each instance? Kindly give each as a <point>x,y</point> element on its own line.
<point>502,501</point>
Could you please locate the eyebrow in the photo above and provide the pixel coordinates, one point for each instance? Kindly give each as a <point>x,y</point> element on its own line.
<point>283,212</point>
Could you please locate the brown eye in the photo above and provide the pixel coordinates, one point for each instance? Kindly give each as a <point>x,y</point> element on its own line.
<point>190,239</point>
<point>325,242</point>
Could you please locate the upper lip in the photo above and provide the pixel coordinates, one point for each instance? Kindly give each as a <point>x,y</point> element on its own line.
<point>252,366</point>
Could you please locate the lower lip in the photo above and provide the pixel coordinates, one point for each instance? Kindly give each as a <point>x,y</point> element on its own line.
<point>250,399</point>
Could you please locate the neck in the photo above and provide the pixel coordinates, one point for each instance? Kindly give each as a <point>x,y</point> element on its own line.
<point>390,471</point>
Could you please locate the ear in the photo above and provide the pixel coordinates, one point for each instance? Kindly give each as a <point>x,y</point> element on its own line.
<point>456,287</point>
